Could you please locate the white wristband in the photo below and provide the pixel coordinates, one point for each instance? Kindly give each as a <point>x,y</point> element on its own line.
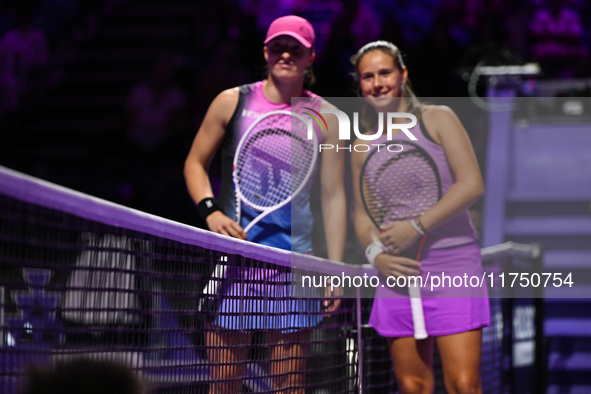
<point>417,227</point>
<point>372,251</point>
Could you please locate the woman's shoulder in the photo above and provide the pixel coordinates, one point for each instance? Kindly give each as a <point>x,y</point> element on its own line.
<point>223,106</point>
<point>437,119</point>
<point>437,115</point>
<point>234,93</point>
<point>436,111</point>
<point>228,96</point>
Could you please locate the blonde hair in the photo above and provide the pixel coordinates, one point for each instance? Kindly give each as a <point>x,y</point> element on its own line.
<point>414,105</point>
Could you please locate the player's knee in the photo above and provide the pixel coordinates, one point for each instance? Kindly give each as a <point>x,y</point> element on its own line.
<point>222,388</point>
<point>231,385</point>
<point>415,385</point>
<point>221,373</point>
<point>465,384</point>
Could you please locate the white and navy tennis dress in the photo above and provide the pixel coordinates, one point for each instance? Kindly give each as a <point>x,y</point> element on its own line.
<point>260,298</point>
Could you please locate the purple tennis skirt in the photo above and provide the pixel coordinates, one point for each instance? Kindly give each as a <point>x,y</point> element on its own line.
<point>450,309</point>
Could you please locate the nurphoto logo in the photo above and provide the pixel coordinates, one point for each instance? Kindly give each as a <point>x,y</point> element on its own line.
<point>345,128</point>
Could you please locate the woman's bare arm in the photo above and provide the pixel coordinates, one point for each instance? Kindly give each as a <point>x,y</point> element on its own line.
<point>206,143</point>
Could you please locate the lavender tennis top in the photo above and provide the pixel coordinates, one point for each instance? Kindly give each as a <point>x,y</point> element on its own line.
<point>458,231</point>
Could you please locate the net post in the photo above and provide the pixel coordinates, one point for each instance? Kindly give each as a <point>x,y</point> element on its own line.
<point>359,339</point>
<point>541,361</point>
<point>3,331</point>
<point>508,333</point>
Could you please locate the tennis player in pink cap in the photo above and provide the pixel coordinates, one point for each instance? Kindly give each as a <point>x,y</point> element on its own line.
<point>289,53</point>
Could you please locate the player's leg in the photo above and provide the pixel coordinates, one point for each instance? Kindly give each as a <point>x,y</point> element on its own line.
<point>288,353</point>
<point>460,356</point>
<point>227,351</point>
<point>413,364</point>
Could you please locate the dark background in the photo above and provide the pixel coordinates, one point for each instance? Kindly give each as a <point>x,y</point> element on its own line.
<point>76,75</point>
<point>105,96</point>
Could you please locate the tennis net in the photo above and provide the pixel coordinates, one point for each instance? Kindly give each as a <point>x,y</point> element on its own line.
<point>184,308</point>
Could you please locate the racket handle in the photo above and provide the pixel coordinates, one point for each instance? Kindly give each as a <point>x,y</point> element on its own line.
<point>238,209</point>
<point>262,215</point>
<point>252,223</point>
<point>416,304</point>
<point>416,308</point>
<point>210,300</point>
<point>212,287</point>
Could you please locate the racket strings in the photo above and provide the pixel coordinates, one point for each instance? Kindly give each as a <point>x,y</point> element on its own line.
<point>399,186</point>
<point>274,162</point>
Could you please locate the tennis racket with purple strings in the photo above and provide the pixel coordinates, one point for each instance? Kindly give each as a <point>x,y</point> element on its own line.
<point>274,160</point>
<point>400,181</point>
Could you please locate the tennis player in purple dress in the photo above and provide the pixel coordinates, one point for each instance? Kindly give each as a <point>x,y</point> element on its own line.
<point>289,52</point>
<point>453,320</point>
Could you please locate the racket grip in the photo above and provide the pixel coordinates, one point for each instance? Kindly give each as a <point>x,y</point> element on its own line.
<point>416,308</point>
<point>210,300</point>
<point>262,215</point>
<point>214,283</point>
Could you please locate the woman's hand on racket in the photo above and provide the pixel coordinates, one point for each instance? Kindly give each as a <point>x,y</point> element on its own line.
<point>332,303</point>
<point>397,236</point>
<point>221,224</point>
<point>396,266</point>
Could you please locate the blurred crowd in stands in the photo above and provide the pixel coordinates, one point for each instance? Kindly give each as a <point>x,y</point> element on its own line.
<point>442,41</point>
<point>37,40</point>
<point>437,36</point>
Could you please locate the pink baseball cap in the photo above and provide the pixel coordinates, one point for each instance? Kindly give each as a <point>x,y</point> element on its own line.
<point>294,26</point>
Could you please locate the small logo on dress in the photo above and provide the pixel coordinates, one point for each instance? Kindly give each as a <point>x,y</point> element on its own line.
<point>315,118</point>
<point>248,113</point>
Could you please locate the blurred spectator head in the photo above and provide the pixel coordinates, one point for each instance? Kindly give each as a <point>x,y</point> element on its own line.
<point>227,54</point>
<point>224,72</point>
<point>366,26</point>
<point>84,376</point>
<point>155,109</point>
<point>557,39</point>
<point>557,5</point>
<point>24,13</point>
<point>162,72</point>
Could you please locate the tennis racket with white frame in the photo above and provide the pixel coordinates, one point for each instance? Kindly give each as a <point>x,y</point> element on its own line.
<point>274,161</point>
<point>400,181</point>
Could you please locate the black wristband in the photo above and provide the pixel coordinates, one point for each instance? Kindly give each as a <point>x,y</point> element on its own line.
<point>207,206</point>
<point>420,225</point>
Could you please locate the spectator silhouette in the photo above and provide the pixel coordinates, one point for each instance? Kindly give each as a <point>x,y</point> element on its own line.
<point>357,25</point>
<point>156,121</point>
<point>224,72</point>
<point>84,376</point>
<point>557,40</point>
<point>23,51</point>
<point>155,108</point>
